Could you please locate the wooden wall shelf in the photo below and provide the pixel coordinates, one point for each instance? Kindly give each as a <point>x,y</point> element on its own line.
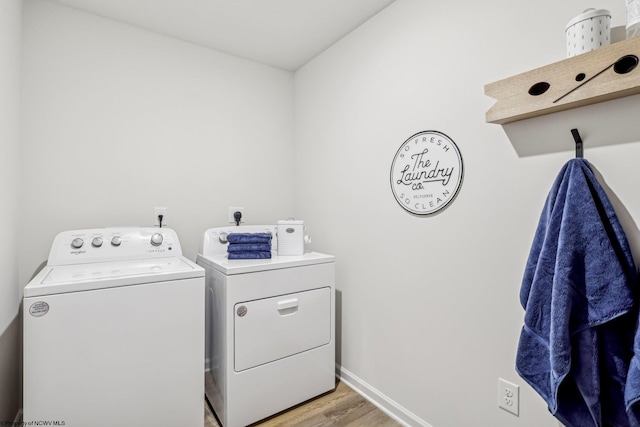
<point>604,74</point>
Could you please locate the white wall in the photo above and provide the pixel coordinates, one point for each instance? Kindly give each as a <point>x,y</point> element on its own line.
<point>430,314</point>
<point>10,29</point>
<point>118,120</point>
<point>10,25</point>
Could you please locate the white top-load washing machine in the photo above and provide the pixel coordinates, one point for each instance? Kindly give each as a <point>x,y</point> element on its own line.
<point>114,332</point>
<point>270,330</point>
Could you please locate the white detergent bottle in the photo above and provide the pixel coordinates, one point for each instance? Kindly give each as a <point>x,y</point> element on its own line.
<point>633,18</point>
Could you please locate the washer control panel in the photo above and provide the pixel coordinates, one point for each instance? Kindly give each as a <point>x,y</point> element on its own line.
<point>112,244</point>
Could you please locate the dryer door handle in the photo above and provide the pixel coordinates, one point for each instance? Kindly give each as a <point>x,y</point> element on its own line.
<point>288,304</point>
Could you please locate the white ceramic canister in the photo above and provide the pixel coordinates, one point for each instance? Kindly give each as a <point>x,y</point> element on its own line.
<point>588,31</point>
<point>291,237</point>
<point>633,18</point>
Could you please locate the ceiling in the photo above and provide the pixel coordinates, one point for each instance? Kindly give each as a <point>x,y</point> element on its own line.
<point>281,33</point>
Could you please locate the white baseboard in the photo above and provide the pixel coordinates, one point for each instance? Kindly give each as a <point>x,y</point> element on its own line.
<point>386,405</point>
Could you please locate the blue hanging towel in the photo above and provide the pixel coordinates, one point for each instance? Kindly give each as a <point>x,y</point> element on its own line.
<point>579,297</point>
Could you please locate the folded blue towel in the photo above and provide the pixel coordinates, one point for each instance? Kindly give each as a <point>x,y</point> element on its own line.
<point>578,293</point>
<point>249,238</point>
<point>249,247</point>
<point>249,255</point>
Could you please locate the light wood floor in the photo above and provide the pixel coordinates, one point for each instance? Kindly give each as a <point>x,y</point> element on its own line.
<point>341,407</point>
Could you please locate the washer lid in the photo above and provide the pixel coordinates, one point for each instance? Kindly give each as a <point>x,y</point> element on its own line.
<point>101,275</point>
<point>240,266</point>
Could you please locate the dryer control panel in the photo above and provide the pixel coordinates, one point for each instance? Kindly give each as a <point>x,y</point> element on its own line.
<point>113,244</point>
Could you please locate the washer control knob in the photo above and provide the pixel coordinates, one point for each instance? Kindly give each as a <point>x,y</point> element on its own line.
<point>77,243</point>
<point>97,242</point>
<point>156,239</point>
<point>116,241</point>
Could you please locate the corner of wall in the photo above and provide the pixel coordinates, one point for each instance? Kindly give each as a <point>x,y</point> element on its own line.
<point>10,371</point>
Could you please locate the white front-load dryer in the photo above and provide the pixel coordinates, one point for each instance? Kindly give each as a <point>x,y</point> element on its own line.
<point>270,328</point>
<point>114,332</point>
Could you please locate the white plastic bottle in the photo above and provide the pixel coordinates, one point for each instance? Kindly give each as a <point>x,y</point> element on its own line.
<point>633,18</point>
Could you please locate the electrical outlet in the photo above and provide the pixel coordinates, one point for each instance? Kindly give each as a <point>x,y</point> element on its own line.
<point>156,219</point>
<point>509,396</point>
<point>232,211</point>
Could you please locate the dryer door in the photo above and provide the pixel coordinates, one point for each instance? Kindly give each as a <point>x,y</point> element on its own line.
<point>273,328</point>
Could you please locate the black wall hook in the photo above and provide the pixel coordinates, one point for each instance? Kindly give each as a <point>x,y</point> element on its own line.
<point>576,137</point>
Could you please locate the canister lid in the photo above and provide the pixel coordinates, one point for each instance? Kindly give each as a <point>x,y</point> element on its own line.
<point>588,14</point>
<point>290,222</point>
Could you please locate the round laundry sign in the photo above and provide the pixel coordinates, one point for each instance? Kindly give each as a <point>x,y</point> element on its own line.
<point>426,173</point>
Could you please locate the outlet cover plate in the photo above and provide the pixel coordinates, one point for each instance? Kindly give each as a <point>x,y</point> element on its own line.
<point>159,211</point>
<point>509,396</point>
<point>234,210</point>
